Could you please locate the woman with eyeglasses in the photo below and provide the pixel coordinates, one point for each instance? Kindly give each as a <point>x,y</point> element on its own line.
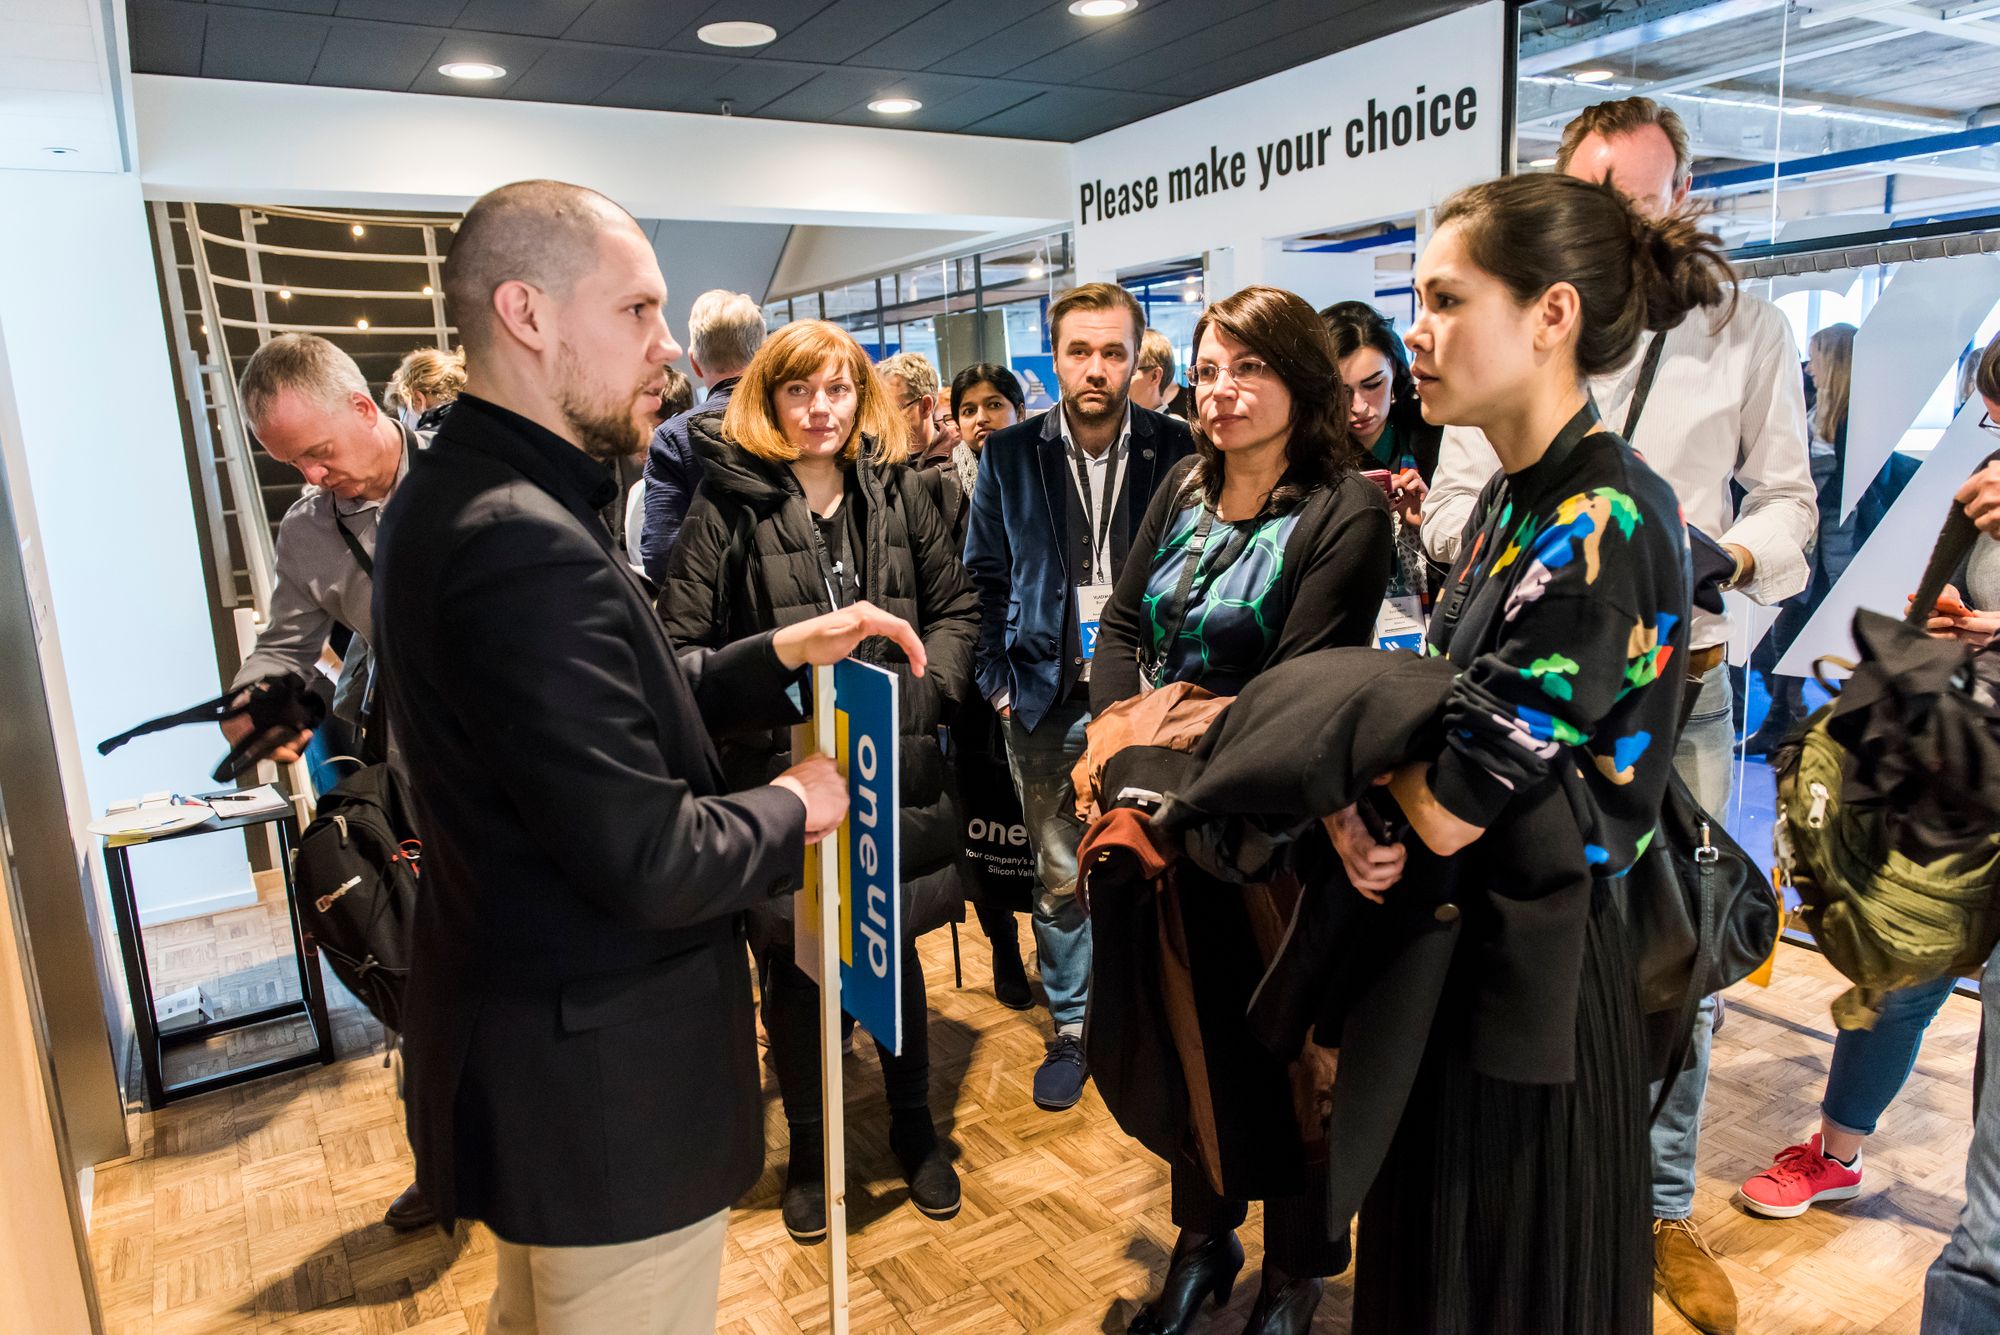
<point>1513,1198</point>
<point>1267,544</point>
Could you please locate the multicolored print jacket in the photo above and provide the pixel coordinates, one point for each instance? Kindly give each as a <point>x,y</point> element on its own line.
<point>1567,614</point>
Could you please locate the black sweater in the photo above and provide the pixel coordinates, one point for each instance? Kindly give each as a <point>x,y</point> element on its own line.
<point>1335,569</point>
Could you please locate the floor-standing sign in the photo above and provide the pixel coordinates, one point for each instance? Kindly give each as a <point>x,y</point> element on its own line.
<point>848,919</point>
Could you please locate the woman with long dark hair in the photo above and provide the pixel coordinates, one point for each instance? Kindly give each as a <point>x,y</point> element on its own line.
<point>1387,420</point>
<point>1264,546</point>
<point>1513,1200</point>
<point>806,505</point>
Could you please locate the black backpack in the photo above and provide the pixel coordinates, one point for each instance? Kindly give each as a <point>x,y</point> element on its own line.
<point>355,871</point>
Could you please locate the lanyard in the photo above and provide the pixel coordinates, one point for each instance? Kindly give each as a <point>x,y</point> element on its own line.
<point>1100,549</point>
<point>1197,545</point>
<point>1644,389</point>
<point>830,570</point>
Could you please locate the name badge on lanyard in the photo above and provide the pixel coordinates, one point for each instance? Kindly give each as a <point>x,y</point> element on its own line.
<point>1091,598</point>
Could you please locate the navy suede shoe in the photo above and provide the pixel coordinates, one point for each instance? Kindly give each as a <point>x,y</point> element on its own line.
<point>1059,1082</point>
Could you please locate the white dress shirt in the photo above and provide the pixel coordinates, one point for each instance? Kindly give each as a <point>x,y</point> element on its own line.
<point>1726,405</point>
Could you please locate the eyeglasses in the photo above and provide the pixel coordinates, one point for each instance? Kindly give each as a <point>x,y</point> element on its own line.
<point>1986,423</point>
<point>1246,374</point>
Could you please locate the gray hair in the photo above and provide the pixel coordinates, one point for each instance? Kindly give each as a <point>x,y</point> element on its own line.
<point>304,363</point>
<point>913,369</point>
<point>725,329</point>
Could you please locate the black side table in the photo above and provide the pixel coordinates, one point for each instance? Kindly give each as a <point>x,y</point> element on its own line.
<point>139,983</point>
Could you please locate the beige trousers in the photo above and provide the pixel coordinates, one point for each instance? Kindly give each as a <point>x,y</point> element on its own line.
<point>665,1285</point>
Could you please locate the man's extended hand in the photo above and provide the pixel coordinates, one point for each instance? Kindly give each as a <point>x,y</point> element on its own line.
<point>825,640</point>
<point>235,730</point>
<point>816,782</point>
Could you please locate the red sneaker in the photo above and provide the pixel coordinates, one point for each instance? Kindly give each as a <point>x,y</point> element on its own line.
<point>1798,1179</point>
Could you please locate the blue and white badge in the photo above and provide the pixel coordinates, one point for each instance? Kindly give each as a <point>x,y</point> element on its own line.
<point>1090,603</point>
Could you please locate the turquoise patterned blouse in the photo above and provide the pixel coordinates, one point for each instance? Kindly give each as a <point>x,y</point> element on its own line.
<point>1236,605</point>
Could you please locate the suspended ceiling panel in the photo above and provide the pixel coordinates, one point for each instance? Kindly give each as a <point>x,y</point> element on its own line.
<point>1023,68</point>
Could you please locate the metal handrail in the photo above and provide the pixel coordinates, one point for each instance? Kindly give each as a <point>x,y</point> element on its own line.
<point>277,327</point>
<point>268,286</point>
<point>237,243</point>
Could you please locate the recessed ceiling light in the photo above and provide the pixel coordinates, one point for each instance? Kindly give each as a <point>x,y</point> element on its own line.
<point>472,69</point>
<point>358,230</point>
<point>1543,162</point>
<point>1192,279</point>
<point>59,151</point>
<point>427,289</point>
<point>284,294</point>
<point>1594,76</point>
<point>360,324</point>
<point>736,33</point>
<point>1102,9</point>
<point>895,106</point>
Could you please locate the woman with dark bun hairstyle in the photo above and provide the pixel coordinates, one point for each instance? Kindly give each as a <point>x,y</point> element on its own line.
<point>1513,1200</point>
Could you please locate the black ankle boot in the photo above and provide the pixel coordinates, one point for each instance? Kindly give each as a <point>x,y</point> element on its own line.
<point>926,1166</point>
<point>1010,972</point>
<point>1287,1308</point>
<point>1207,1271</point>
<point>804,1203</point>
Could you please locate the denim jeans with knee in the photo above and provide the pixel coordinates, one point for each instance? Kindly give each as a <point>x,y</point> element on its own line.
<point>1962,1289</point>
<point>1040,762</point>
<point>1704,759</point>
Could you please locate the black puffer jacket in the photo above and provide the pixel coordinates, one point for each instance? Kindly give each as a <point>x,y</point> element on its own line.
<point>744,564</point>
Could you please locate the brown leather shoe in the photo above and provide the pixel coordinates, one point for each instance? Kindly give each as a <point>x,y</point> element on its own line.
<point>409,1211</point>
<point>1688,1275</point>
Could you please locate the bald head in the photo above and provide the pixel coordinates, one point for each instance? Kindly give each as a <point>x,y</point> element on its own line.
<point>542,233</point>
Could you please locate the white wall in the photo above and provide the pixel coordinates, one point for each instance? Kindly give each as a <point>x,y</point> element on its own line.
<point>1249,128</point>
<point>697,256</point>
<point>99,450</point>
<point>211,139</point>
<point>824,257</point>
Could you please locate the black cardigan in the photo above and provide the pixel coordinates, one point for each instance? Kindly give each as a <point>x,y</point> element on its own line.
<point>1337,566</point>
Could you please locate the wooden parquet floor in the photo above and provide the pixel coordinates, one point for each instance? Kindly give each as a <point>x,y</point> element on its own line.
<point>259,1208</point>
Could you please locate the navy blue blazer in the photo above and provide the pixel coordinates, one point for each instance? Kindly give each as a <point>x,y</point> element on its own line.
<point>1018,552</point>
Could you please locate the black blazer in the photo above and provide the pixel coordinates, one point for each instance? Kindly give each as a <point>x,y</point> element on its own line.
<point>581,1062</point>
<point>1018,553</point>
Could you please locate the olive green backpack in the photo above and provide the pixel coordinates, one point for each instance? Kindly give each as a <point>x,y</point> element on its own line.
<point>1890,905</point>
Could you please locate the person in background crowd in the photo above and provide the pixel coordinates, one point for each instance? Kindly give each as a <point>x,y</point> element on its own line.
<point>421,390</point>
<point>914,388</point>
<point>626,516</point>
<point>1829,369</point>
<point>583,1076</point>
<point>1388,422</point>
<point>1515,1205</point>
<point>985,397</point>
<point>1724,407</point>
<point>725,329</point>
<point>309,407</point>
<point>1153,383</point>
<point>1962,1287</point>
<point>807,509</point>
<point>1292,550</point>
<point>1052,519</point>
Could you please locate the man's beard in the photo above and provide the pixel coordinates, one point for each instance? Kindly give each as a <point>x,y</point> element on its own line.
<point>602,431</point>
<point>1114,408</point>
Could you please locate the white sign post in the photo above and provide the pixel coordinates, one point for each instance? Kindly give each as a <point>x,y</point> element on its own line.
<point>825,879</point>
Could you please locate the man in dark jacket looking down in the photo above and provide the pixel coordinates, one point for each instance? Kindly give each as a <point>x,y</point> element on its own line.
<point>582,1071</point>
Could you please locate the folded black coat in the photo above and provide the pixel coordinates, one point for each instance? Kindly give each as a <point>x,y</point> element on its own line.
<point>1306,739</point>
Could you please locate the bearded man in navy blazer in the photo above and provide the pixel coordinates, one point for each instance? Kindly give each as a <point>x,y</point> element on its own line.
<point>1053,513</point>
<point>582,1070</point>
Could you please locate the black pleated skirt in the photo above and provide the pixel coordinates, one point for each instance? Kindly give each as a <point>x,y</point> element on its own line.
<point>1509,1209</point>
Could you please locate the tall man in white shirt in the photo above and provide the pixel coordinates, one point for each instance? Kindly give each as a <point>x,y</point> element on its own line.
<point>1052,519</point>
<point>1724,406</point>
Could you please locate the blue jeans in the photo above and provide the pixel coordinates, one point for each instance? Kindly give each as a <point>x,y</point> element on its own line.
<point>1704,759</point>
<point>1870,1065</point>
<point>1962,1289</point>
<point>1040,762</point>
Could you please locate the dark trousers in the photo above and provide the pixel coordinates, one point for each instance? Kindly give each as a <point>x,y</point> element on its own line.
<point>791,1018</point>
<point>1295,1231</point>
